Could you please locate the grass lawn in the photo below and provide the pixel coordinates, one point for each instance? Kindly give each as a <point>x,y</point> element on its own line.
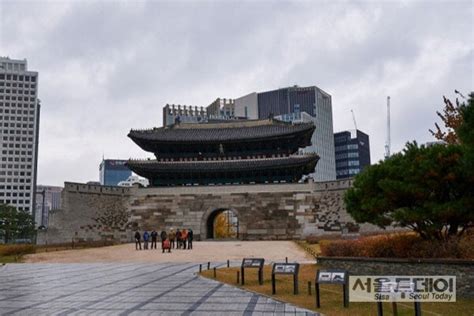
<point>331,295</point>
<point>13,253</point>
<point>10,259</point>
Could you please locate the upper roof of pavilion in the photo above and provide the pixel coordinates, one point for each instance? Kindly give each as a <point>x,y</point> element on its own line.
<point>221,132</point>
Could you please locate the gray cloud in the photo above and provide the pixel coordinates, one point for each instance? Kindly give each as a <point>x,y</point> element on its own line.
<point>106,67</point>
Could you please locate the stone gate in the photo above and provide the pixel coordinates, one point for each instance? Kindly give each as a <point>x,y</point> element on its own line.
<point>264,211</point>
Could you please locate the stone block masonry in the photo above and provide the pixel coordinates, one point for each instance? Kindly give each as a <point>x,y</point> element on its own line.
<point>264,212</point>
<point>89,213</point>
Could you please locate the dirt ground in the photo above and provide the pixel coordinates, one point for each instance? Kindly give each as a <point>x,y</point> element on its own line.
<point>203,251</point>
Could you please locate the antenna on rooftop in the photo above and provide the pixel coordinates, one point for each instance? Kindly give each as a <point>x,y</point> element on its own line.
<point>387,143</point>
<point>354,119</point>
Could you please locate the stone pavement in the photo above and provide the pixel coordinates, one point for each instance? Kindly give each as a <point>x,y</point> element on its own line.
<point>126,289</point>
<point>215,251</point>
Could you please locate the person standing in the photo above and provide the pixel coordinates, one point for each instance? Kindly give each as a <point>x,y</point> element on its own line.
<point>190,239</point>
<point>178,238</point>
<point>154,237</point>
<point>138,244</point>
<point>184,238</point>
<point>165,244</point>
<point>172,237</point>
<point>163,237</point>
<point>146,237</point>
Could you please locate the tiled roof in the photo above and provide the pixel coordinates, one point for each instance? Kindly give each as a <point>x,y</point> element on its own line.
<point>221,132</point>
<point>147,167</point>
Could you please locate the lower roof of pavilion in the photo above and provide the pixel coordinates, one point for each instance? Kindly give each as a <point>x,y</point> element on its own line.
<point>254,170</point>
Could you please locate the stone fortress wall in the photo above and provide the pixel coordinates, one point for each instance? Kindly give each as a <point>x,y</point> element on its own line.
<point>88,212</point>
<point>265,211</point>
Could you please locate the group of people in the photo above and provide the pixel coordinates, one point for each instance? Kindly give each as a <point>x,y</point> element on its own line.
<point>181,239</point>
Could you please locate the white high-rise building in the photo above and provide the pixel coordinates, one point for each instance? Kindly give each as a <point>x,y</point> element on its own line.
<point>19,127</point>
<point>298,104</point>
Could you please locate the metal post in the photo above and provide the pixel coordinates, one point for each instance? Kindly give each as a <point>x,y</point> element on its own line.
<point>215,272</point>
<point>228,264</point>
<point>200,268</point>
<point>379,309</point>
<point>238,277</point>
<point>318,301</point>
<point>344,293</point>
<point>242,272</point>
<point>273,284</point>
<point>286,259</point>
<point>309,287</point>
<point>395,309</point>
<point>42,208</point>
<point>417,309</point>
<point>295,284</point>
<point>228,224</point>
<point>208,265</point>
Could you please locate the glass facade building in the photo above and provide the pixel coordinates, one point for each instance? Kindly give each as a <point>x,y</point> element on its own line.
<point>288,100</point>
<point>302,104</point>
<point>352,153</point>
<point>44,204</point>
<point>112,171</point>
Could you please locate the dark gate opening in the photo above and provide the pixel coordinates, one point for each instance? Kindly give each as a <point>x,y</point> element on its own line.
<point>223,224</point>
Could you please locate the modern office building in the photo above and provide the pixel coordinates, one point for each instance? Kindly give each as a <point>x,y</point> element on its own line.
<point>221,108</point>
<point>183,113</point>
<point>247,106</point>
<point>352,151</point>
<point>19,131</point>
<point>112,171</point>
<point>327,169</point>
<point>47,198</point>
<point>289,104</point>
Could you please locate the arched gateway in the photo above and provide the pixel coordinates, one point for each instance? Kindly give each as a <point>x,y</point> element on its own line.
<point>221,223</point>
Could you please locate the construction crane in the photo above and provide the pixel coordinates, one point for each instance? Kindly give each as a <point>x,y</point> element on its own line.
<point>354,119</point>
<point>388,141</point>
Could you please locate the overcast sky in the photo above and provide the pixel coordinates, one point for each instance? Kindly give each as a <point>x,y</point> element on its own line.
<point>105,67</point>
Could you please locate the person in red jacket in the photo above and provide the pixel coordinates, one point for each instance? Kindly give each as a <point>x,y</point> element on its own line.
<point>184,237</point>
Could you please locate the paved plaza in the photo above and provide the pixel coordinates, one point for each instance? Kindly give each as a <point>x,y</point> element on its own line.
<point>125,289</point>
<point>203,251</point>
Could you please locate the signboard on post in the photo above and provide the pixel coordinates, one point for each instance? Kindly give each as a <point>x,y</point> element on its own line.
<point>256,263</point>
<point>286,268</point>
<point>333,276</point>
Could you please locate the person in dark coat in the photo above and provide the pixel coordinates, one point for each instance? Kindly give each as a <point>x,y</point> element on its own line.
<point>163,237</point>
<point>154,238</point>
<point>138,244</point>
<point>190,239</point>
<point>178,239</point>
<point>146,237</point>
<point>172,237</point>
